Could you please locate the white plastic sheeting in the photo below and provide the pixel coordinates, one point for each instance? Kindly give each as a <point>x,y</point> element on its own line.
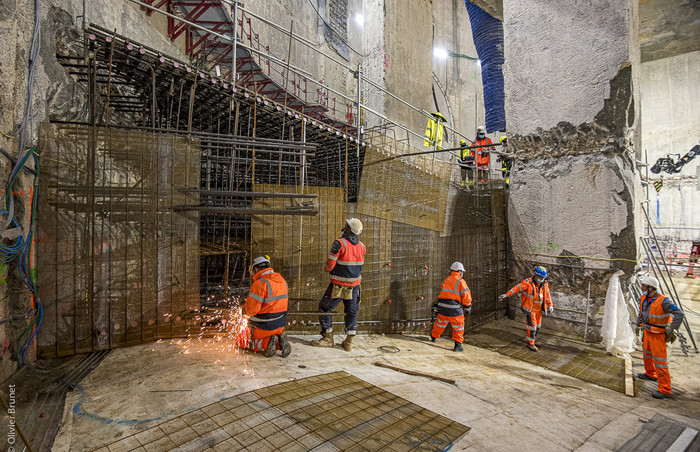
<point>618,336</point>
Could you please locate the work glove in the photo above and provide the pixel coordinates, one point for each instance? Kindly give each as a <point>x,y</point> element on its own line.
<point>503,296</point>
<point>435,309</point>
<point>467,309</point>
<point>670,335</point>
<point>550,310</point>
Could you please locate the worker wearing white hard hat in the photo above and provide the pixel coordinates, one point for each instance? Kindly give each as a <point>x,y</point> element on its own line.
<point>344,264</point>
<point>454,299</point>
<point>658,317</point>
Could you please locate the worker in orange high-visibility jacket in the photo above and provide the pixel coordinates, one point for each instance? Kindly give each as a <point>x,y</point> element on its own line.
<point>344,264</point>
<point>482,155</point>
<point>454,299</point>
<point>535,301</point>
<point>266,305</point>
<point>659,317</point>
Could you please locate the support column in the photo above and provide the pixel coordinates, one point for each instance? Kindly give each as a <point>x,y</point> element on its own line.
<point>571,88</point>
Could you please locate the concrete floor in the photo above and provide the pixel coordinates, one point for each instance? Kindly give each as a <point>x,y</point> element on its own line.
<point>508,403</point>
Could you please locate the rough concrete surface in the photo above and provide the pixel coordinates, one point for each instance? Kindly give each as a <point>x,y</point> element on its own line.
<point>560,61</point>
<point>507,403</point>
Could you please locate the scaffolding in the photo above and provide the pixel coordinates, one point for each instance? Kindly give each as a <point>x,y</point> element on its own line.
<point>262,177</point>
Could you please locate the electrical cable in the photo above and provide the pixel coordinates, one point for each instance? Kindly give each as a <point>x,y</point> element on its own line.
<point>27,272</point>
<point>26,127</point>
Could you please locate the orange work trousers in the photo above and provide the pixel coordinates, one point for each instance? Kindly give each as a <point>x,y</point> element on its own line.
<point>457,323</point>
<point>655,362</point>
<point>534,322</point>
<point>260,338</point>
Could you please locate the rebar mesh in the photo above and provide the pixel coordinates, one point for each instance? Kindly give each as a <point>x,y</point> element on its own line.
<point>115,260</point>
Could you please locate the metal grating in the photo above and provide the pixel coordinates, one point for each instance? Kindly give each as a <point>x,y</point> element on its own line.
<point>331,412</point>
<point>589,365</point>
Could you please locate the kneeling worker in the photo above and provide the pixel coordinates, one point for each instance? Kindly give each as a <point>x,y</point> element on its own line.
<point>655,315</point>
<point>454,293</point>
<point>266,305</point>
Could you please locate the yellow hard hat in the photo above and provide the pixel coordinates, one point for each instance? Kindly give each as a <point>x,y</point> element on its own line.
<point>439,115</point>
<point>503,138</point>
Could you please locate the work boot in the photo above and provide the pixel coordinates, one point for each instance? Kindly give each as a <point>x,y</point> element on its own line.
<point>644,376</point>
<point>532,347</point>
<point>347,343</point>
<point>432,339</point>
<point>285,346</point>
<point>271,347</point>
<point>458,347</point>
<point>660,395</point>
<point>326,341</point>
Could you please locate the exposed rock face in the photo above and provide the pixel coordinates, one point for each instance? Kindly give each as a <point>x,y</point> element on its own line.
<point>573,186</point>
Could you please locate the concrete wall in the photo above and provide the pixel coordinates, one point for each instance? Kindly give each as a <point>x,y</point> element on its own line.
<point>671,125</point>
<point>571,102</point>
<point>460,78</point>
<point>56,95</point>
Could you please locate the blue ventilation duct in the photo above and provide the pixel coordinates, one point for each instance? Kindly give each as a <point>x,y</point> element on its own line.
<point>488,39</point>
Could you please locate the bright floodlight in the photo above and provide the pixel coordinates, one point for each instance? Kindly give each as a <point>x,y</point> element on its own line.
<point>440,52</point>
<point>360,19</point>
<point>478,63</point>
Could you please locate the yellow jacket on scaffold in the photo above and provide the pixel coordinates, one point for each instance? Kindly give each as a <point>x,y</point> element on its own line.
<point>434,131</point>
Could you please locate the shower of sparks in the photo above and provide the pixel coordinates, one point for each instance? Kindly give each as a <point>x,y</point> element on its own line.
<point>221,329</point>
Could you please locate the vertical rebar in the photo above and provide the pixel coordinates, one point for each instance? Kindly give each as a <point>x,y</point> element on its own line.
<point>588,302</point>
<point>234,43</point>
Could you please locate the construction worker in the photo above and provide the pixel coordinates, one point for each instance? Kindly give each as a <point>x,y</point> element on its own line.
<point>481,155</point>
<point>434,131</point>
<point>466,165</point>
<point>266,305</point>
<point>506,162</point>
<point>344,264</point>
<point>535,301</point>
<point>454,293</point>
<point>659,317</point>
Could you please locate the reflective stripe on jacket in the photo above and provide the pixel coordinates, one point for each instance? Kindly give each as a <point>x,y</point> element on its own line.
<point>267,300</point>
<point>482,154</point>
<point>454,293</point>
<point>656,314</point>
<point>532,296</point>
<point>345,261</point>
<point>433,132</point>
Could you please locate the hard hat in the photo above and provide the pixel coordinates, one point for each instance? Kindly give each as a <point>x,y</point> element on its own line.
<point>355,225</point>
<point>259,260</point>
<point>503,138</point>
<point>462,143</point>
<point>650,281</point>
<point>457,267</point>
<point>439,115</point>
<point>541,271</point>
<point>481,129</point>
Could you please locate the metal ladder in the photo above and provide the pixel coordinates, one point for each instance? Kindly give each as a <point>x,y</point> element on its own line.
<point>662,272</point>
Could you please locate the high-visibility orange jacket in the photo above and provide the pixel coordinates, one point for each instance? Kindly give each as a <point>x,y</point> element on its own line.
<point>345,260</point>
<point>532,295</point>
<point>482,154</point>
<point>655,314</point>
<point>267,300</point>
<point>454,292</point>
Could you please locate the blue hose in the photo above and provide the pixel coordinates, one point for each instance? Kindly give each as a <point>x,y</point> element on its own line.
<point>488,39</point>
